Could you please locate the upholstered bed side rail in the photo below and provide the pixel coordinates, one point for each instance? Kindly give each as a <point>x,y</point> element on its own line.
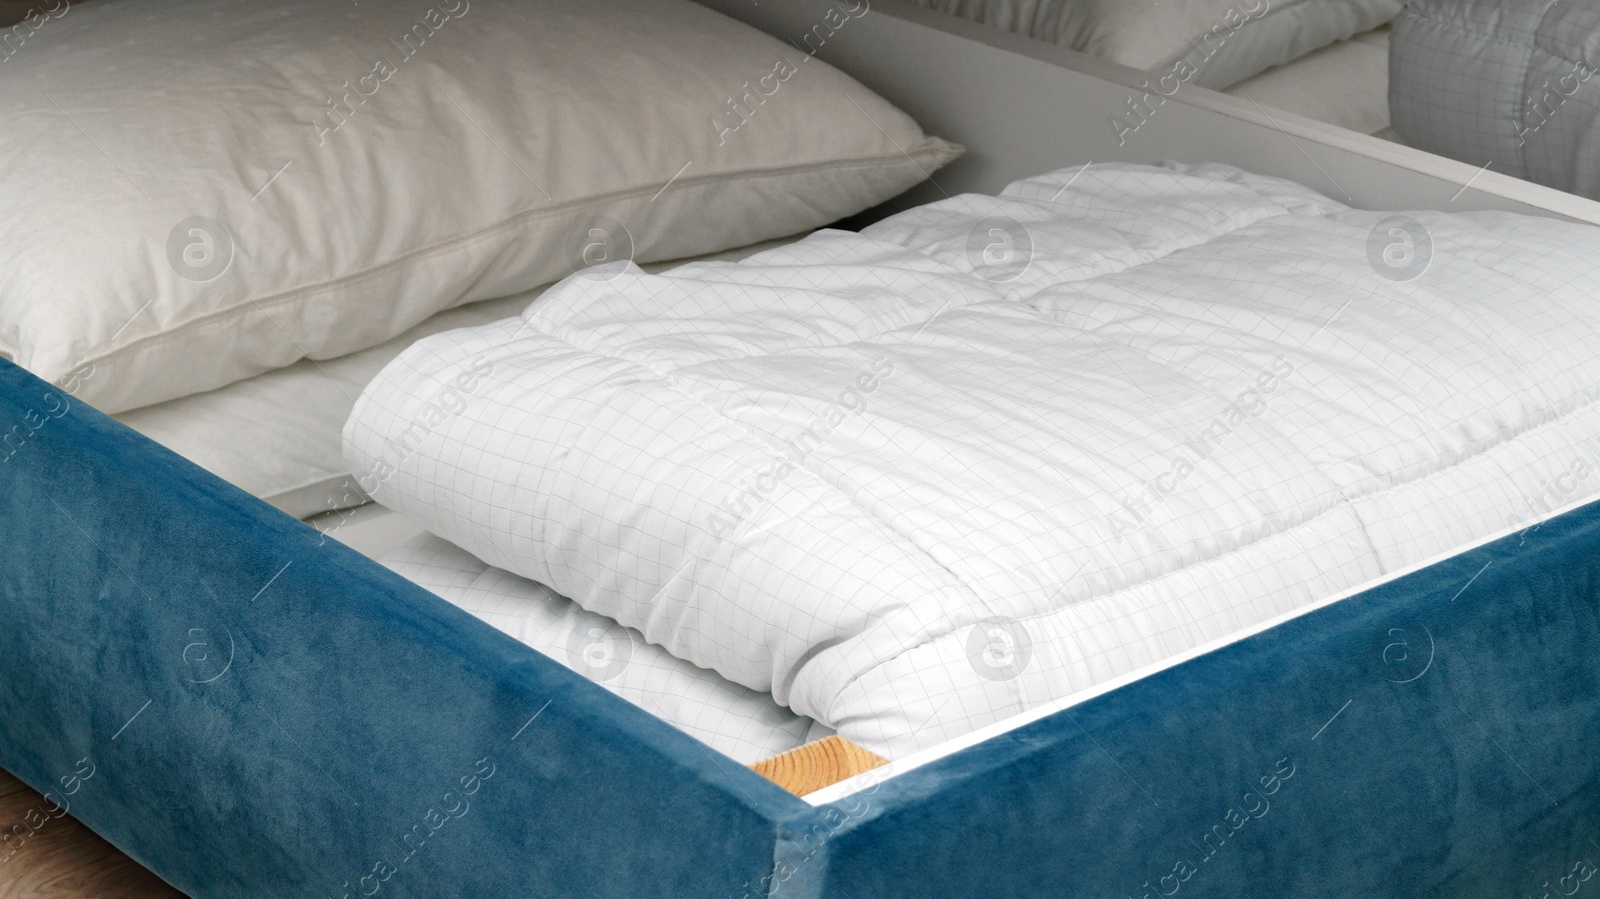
<point>1435,736</point>
<point>250,710</point>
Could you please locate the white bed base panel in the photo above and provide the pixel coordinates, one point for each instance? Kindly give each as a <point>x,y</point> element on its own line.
<point>1023,107</point>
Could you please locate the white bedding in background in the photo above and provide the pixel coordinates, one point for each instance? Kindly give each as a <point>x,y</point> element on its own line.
<point>913,486</point>
<point>1344,84</point>
<point>276,435</point>
<point>1212,43</point>
<point>744,724</point>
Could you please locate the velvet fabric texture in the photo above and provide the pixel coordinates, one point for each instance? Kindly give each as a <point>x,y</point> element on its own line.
<point>263,712</point>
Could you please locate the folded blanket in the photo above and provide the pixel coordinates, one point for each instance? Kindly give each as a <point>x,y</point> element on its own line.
<point>996,450</point>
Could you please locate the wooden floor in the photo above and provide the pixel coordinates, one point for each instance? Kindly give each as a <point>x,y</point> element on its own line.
<point>63,859</point>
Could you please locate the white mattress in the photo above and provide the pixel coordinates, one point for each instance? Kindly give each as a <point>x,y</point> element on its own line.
<point>913,490</point>
<point>739,722</point>
<point>1344,84</point>
<point>276,436</point>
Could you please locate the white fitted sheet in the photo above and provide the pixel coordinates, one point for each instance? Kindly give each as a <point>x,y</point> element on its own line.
<point>744,724</point>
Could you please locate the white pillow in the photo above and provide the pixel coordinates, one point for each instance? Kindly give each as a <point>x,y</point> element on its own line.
<point>1224,41</point>
<point>201,191</point>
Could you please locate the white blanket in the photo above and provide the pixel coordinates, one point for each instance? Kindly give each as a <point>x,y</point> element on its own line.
<point>996,450</point>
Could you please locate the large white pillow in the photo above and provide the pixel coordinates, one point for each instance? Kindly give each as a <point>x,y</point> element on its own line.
<point>197,191</point>
<point>1224,41</point>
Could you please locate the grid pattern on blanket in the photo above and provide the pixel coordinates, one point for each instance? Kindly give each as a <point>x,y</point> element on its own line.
<point>997,450</point>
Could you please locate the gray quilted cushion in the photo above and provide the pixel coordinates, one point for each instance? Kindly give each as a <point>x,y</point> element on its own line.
<point>1507,83</point>
<point>1213,43</point>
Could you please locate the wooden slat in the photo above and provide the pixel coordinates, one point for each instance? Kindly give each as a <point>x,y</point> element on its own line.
<point>63,859</point>
<point>816,765</point>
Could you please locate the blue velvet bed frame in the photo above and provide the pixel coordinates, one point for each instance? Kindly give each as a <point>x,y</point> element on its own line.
<point>263,713</point>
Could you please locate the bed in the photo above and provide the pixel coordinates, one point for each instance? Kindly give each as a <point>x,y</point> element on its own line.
<point>333,728</point>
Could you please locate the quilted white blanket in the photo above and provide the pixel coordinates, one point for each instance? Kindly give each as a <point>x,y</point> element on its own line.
<point>996,450</point>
